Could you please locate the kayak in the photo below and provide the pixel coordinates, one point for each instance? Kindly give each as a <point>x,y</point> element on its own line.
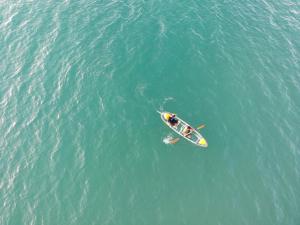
<point>195,137</point>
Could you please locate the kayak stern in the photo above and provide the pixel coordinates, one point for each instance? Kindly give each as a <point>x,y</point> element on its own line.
<point>203,143</point>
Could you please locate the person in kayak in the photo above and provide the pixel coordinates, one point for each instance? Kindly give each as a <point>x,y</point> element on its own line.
<point>173,120</point>
<point>187,131</point>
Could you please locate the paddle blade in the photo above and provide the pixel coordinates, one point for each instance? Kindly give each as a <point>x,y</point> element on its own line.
<point>201,126</point>
<point>170,140</point>
<point>174,141</point>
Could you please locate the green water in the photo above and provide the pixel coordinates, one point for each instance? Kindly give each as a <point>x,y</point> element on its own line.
<point>80,139</point>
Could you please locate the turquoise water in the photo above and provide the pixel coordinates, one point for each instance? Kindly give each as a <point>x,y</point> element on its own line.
<point>80,139</point>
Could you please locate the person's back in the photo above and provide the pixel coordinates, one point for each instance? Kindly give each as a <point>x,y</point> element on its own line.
<point>172,120</point>
<point>187,131</point>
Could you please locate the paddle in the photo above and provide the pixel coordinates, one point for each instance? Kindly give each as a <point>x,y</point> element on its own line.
<point>201,126</point>
<point>174,141</point>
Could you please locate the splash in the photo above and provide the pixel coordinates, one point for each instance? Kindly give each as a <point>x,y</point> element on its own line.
<point>170,140</point>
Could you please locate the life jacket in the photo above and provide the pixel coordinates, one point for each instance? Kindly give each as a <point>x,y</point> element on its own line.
<point>167,116</point>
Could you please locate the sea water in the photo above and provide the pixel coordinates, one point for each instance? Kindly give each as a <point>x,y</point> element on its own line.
<point>81,141</point>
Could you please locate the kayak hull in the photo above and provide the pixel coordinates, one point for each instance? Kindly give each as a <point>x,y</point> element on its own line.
<point>195,137</point>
